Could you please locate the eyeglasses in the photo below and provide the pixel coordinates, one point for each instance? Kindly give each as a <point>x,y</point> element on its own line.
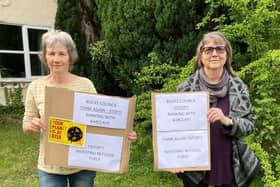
<point>220,49</point>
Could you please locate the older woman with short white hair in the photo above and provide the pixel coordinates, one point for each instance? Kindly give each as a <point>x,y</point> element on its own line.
<point>58,52</point>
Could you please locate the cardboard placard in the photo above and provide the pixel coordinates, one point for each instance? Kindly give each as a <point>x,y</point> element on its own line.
<point>100,144</point>
<point>181,131</point>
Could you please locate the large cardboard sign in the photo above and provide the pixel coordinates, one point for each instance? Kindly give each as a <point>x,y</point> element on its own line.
<point>181,133</point>
<point>87,131</point>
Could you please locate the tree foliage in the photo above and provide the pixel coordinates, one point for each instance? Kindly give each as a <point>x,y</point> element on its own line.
<point>79,18</point>
<point>68,19</point>
<point>132,30</point>
<point>262,77</point>
<point>154,75</point>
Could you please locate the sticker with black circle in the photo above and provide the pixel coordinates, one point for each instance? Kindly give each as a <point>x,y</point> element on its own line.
<point>74,134</point>
<point>66,132</point>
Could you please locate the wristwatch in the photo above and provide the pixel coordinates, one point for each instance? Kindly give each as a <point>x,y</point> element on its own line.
<point>230,122</point>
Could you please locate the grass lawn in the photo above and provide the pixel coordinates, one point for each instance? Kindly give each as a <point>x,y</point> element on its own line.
<point>18,153</point>
<point>18,163</point>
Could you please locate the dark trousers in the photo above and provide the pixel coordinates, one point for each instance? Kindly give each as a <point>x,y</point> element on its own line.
<point>188,183</point>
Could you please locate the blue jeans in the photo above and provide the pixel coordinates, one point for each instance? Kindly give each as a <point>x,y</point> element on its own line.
<point>81,179</point>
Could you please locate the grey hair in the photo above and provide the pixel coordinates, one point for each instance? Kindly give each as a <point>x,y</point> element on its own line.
<point>216,37</point>
<point>54,37</point>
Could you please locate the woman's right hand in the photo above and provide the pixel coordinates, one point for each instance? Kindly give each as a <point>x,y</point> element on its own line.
<point>34,126</point>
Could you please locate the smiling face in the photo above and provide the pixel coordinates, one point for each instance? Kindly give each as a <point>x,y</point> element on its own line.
<point>213,56</point>
<point>58,51</point>
<point>57,59</point>
<point>214,52</point>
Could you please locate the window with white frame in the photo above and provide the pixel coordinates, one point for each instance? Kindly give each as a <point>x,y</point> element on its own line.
<point>19,47</point>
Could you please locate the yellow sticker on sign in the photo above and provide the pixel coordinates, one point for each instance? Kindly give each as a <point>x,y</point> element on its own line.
<point>66,132</point>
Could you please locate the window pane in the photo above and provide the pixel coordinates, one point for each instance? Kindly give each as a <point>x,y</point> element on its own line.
<point>10,37</point>
<point>34,36</point>
<point>37,67</point>
<point>12,65</point>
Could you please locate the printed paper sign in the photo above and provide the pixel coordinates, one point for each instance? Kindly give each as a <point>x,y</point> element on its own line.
<point>181,111</point>
<point>66,132</point>
<point>100,111</point>
<point>188,149</point>
<point>181,137</point>
<point>100,151</point>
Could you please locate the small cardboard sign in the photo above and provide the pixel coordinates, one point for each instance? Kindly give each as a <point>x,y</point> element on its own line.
<point>87,131</point>
<point>181,132</point>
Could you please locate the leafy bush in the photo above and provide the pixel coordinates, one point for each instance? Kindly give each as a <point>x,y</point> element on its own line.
<point>277,166</point>
<point>154,75</point>
<point>263,80</point>
<point>14,104</point>
<point>186,71</point>
<point>101,57</point>
<point>12,112</point>
<point>268,177</point>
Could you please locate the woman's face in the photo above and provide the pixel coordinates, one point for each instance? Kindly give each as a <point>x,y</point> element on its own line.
<point>57,58</point>
<point>213,56</point>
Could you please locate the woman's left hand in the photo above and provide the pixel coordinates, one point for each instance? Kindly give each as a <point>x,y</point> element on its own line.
<point>132,136</point>
<point>216,114</point>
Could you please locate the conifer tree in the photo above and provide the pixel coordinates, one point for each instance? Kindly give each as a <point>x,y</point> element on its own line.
<point>132,30</point>
<point>79,18</point>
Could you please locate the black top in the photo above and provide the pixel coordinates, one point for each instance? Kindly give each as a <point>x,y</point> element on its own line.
<point>221,150</point>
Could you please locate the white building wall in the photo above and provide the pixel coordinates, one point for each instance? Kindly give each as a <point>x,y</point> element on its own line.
<point>29,12</point>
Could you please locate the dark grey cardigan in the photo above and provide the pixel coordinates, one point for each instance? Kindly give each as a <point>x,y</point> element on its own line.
<point>245,163</point>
